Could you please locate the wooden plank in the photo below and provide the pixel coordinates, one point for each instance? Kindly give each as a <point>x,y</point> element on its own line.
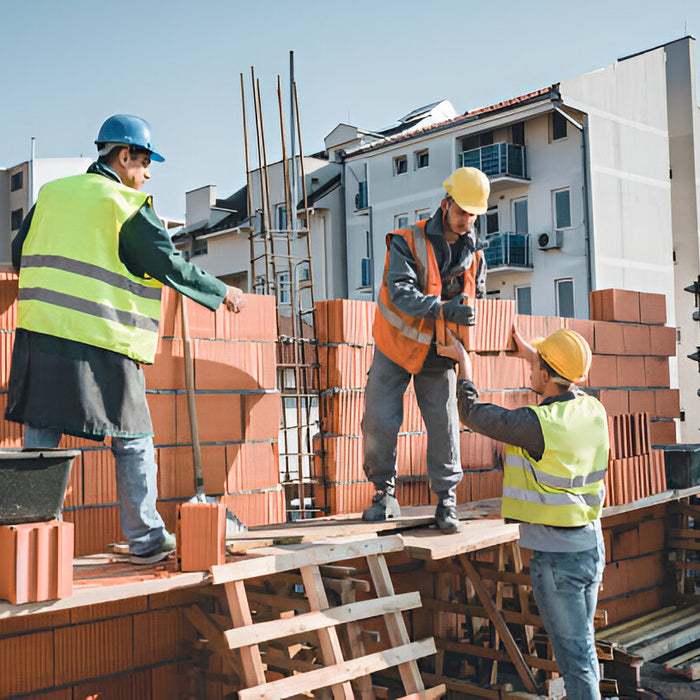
<point>516,656</point>
<point>465,688</point>
<point>680,637</point>
<point>472,610</point>
<point>610,634</point>
<point>253,671</point>
<point>430,694</point>
<point>331,651</point>
<point>468,649</point>
<point>346,671</point>
<point>657,627</point>
<point>272,560</point>
<point>306,622</point>
<point>97,593</point>
<point>395,624</point>
<point>427,544</point>
<point>665,497</point>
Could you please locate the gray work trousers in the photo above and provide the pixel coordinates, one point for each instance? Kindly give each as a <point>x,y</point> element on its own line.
<point>436,392</point>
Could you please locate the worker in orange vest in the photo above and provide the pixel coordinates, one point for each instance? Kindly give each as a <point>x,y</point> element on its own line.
<point>433,270</point>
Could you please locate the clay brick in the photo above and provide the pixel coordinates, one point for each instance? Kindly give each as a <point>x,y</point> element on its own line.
<point>168,368</point>
<point>201,535</point>
<point>261,508</point>
<point>233,366</point>
<point>652,536</point>
<point>26,663</point>
<point>624,543</point>
<point>663,340</point>
<point>615,400</point>
<point>656,372</point>
<point>652,308</point>
<point>609,338</point>
<point>662,432</point>
<point>642,401</point>
<point>175,472</point>
<point>630,371</point>
<point>99,477</point>
<point>219,418</point>
<point>667,403</point>
<point>603,372</point>
<point>636,339</point>
<point>7,341</point>
<point>582,326</point>
<point>95,528</point>
<point>8,301</point>
<point>163,417</point>
<point>252,466</point>
<point>261,413</point>
<point>256,321</point>
<point>37,561</point>
<point>615,305</point>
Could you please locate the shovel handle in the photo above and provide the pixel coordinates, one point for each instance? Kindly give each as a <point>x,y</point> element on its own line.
<point>191,403</point>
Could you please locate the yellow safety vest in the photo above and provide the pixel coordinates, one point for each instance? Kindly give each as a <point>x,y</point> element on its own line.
<point>72,283</point>
<point>565,487</point>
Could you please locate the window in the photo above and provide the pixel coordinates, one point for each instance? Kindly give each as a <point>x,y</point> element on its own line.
<point>303,271</point>
<point>523,301</point>
<point>17,181</point>
<point>489,221</point>
<point>366,263</point>
<point>361,196</point>
<point>284,292</point>
<point>422,214</point>
<point>559,126</point>
<point>281,217</point>
<point>199,247</point>
<point>518,133</point>
<point>400,221</point>
<point>400,165</point>
<point>565,298</point>
<point>520,216</point>
<point>469,143</point>
<point>562,209</point>
<point>422,159</point>
<point>16,219</point>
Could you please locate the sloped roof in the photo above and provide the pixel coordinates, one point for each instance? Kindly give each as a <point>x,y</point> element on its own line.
<point>548,93</point>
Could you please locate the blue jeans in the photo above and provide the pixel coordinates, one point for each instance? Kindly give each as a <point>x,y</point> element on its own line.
<point>565,585</point>
<point>137,488</point>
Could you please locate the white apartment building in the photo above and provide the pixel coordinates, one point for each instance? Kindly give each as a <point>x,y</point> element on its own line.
<point>19,186</point>
<point>593,185</point>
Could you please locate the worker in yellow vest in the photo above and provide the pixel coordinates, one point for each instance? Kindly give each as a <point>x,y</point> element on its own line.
<point>92,257</point>
<point>433,270</point>
<point>555,463</point>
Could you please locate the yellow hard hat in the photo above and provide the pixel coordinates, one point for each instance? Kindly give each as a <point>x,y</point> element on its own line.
<point>470,189</point>
<point>566,352</point>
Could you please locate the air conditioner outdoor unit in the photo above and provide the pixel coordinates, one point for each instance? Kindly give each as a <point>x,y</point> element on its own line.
<point>549,240</point>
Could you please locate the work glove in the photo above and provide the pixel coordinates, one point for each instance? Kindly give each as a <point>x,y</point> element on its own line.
<point>454,311</point>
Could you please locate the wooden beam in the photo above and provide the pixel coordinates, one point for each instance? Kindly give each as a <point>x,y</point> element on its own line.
<point>273,560</point>
<point>306,622</point>
<point>430,694</point>
<point>467,649</point>
<point>212,633</point>
<point>352,668</point>
<point>515,654</point>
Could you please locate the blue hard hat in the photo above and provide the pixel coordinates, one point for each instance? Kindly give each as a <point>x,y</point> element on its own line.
<point>129,130</point>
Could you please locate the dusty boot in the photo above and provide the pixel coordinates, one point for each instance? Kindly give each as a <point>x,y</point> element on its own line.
<point>384,506</point>
<point>446,517</point>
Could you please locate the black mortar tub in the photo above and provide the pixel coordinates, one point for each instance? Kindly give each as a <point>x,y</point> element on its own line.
<point>33,484</point>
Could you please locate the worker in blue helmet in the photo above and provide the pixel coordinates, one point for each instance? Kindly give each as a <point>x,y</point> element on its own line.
<point>93,257</point>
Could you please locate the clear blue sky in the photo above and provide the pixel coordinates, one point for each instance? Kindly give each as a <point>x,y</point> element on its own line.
<point>68,64</point>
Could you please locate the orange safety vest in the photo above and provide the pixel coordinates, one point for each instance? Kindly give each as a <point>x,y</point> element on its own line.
<point>406,339</point>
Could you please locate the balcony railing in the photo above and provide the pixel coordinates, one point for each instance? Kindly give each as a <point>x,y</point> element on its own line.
<point>508,250</point>
<point>497,159</point>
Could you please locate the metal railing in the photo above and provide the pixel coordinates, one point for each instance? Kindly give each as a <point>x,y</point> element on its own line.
<point>497,159</point>
<point>508,250</point>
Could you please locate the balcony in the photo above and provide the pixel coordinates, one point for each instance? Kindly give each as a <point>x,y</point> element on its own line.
<point>504,163</point>
<point>508,251</point>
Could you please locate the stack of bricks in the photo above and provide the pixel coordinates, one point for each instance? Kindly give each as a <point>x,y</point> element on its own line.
<point>238,408</point>
<point>629,374</point>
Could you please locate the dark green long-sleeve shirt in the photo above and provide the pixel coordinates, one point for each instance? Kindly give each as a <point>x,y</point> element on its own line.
<point>88,391</point>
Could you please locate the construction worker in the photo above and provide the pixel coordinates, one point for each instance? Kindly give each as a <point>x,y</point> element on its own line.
<point>433,270</point>
<point>555,462</point>
<point>92,257</point>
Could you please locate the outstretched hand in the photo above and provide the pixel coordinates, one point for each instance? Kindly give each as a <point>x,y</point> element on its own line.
<point>523,348</point>
<point>457,352</point>
<point>234,299</point>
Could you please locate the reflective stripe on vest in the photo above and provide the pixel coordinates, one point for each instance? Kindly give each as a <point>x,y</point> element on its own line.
<point>565,487</point>
<point>72,283</point>
<point>406,339</point>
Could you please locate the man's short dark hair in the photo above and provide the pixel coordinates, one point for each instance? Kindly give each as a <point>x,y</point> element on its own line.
<point>556,377</point>
<point>108,158</point>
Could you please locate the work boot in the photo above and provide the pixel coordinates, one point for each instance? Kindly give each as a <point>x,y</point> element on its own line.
<point>384,506</point>
<point>446,517</point>
<point>161,552</point>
